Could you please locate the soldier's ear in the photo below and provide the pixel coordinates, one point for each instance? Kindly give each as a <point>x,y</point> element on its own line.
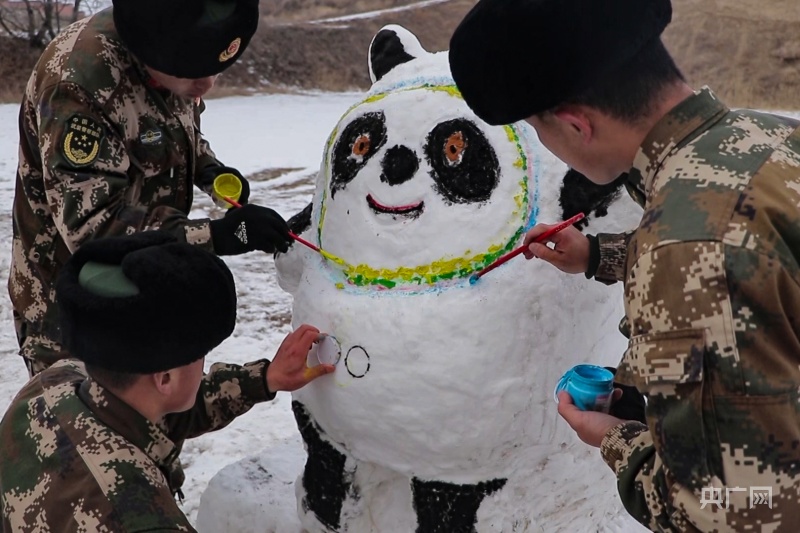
<point>162,382</point>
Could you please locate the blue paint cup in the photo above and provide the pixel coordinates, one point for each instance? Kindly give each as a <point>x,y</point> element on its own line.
<point>590,386</point>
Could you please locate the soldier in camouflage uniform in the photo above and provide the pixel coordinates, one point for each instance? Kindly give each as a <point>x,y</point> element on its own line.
<point>110,144</point>
<point>712,284</point>
<point>90,444</point>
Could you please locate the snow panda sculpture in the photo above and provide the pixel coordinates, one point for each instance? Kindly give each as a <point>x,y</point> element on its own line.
<point>440,415</point>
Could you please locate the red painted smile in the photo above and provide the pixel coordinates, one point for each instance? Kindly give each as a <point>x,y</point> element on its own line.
<point>411,210</point>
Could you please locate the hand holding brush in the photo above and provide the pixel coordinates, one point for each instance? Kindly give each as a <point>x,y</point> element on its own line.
<point>542,237</point>
<point>569,252</point>
<point>299,239</point>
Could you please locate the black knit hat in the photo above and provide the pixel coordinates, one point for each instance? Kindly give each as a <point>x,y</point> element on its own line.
<point>514,58</point>
<point>170,305</point>
<point>186,38</point>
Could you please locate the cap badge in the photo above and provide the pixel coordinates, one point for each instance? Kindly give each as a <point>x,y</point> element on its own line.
<point>231,51</point>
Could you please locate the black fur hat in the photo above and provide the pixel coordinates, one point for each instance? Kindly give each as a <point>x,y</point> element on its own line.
<point>186,38</point>
<point>514,58</point>
<point>172,303</point>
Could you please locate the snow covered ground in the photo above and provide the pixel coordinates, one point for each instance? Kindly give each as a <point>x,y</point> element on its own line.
<point>370,14</point>
<point>252,133</point>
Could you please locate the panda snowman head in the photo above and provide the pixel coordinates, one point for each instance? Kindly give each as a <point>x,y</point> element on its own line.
<point>415,191</point>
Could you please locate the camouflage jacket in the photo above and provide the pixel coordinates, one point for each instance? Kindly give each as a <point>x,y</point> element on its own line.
<point>77,458</point>
<point>102,152</point>
<point>613,248</point>
<point>712,297</point>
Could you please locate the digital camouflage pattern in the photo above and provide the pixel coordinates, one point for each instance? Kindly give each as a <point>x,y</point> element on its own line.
<point>102,152</point>
<point>77,458</point>
<point>613,253</point>
<point>712,297</point>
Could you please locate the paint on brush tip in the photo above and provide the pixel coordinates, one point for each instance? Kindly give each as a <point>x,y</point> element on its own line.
<point>331,257</point>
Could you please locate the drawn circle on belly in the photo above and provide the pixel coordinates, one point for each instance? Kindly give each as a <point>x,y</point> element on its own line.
<point>329,352</point>
<point>357,362</point>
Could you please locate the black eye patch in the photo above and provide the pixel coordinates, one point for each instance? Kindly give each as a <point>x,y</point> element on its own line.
<point>359,141</point>
<point>464,165</point>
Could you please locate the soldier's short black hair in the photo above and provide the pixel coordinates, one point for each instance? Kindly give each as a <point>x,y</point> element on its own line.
<point>116,381</point>
<point>183,305</point>
<point>512,59</point>
<point>629,92</point>
<point>186,38</point>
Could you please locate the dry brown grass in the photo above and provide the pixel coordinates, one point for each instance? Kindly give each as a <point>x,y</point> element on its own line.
<point>333,56</point>
<point>748,51</point>
<point>740,48</point>
<point>302,10</point>
<point>269,174</point>
<point>17,60</point>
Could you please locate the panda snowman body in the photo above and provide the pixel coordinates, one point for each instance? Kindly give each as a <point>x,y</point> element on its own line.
<point>443,385</point>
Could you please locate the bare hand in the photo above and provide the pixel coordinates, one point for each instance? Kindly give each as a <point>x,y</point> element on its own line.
<point>591,426</point>
<point>571,251</point>
<point>288,371</point>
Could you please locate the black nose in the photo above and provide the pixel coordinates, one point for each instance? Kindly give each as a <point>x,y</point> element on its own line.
<point>399,165</point>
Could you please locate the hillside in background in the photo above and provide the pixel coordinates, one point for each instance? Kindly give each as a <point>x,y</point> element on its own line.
<point>748,51</point>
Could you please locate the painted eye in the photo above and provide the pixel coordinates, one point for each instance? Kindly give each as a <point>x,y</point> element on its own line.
<point>359,141</point>
<point>361,145</point>
<point>454,148</point>
<point>469,170</point>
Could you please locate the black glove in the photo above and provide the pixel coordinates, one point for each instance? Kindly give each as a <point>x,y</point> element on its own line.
<point>206,177</point>
<point>247,228</point>
<point>630,405</point>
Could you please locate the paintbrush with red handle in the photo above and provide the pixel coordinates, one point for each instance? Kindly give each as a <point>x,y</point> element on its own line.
<point>514,253</point>
<point>298,238</point>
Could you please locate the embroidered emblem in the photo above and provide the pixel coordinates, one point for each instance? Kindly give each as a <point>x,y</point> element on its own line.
<point>231,51</point>
<point>241,233</point>
<point>82,138</point>
<point>152,136</point>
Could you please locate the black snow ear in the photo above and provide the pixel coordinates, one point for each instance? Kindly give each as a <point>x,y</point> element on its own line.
<point>580,195</point>
<point>301,221</point>
<point>393,45</point>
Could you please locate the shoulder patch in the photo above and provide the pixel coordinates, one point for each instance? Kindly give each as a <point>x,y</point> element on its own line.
<point>82,138</point>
